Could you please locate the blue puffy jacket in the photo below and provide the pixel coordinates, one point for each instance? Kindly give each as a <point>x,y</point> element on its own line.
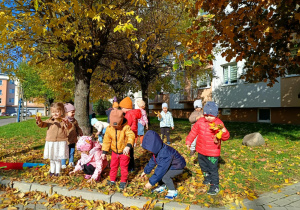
<point>165,157</point>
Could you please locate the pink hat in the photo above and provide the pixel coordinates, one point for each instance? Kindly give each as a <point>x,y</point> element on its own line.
<point>69,107</point>
<point>84,143</point>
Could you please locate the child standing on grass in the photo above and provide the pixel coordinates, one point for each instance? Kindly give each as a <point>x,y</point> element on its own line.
<point>208,144</point>
<point>101,128</point>
<point>142,122</point>
<point>56,146</point>
<point>166,122</point>
<point>169,164</point>
<point>74,133</point>
<point>119,138</point>
<point>196,114</point>
<point>90,162</point>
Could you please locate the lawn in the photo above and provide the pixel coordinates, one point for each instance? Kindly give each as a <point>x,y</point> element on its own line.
<point>245,172</point>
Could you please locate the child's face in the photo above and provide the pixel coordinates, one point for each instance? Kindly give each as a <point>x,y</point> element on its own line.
<point>165,109</point>
<point>209,118</point>
<point>71,113</point>
<point>198,109</point>
<point>56,113</point>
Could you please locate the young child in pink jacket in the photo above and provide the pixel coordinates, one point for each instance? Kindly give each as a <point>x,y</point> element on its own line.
<point>91,162</point>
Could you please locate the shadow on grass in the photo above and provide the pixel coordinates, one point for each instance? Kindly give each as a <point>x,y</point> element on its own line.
<point>38,147</point>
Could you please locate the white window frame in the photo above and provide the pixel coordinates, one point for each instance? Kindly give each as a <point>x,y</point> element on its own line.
<point>266,121</point>
<point>202,80</point>
<point>229,67</point>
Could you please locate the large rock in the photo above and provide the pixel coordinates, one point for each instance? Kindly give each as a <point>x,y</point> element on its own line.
<point>253,140</point>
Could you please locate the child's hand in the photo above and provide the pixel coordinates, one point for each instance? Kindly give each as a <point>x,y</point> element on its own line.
<point>188,146</point>
<point>126,150</point>
<point>143,174</point>
<point>72,172</point>
<point>67,123</point>
<point>97,133</point>
<point>172,128</point>
<point>224,130</point>
<point>103,156</point>
<point>38,119</point>
<point>148,186</point>
<point>91,181</point>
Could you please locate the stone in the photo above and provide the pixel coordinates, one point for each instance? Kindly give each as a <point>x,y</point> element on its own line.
<point>253,140</point>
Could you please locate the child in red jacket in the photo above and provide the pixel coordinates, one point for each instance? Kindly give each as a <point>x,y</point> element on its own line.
<point>210,131</point>
<point>132,116</point>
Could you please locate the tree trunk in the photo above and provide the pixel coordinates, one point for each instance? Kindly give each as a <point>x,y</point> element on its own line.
<point>82,94</point>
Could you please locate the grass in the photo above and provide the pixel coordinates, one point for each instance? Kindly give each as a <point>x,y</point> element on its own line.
<point>5,117</point>
<point>245,172</point>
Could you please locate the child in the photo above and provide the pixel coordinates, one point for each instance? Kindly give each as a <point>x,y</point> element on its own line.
<point>169,164</point>
<point>142,122</point>
<point>196,114</point>
<point>91,162</point>
<point>119,138</point>
<point>208,146</point>
<point>132,116</point>
<point>56,146</point>
<point>101,128</point>
<point>166,121</point>
<point>72,138</point>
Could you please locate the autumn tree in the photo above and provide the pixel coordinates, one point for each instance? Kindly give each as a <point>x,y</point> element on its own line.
<point>264,33</point>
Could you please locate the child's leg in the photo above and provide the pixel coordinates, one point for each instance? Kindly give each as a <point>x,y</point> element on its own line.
<point>52,166</point>
<point>71,153</point>
<point>141,139</point>
<point>57,166</point>
<point>124,162</point>
<point>168,135</point>
<point>114,164</point>
<point>204,164</point>
<point>162,135</point>
<point>167,178</point>
<point>213,170</point>
<point>63,161</point>
<point>131,161</point>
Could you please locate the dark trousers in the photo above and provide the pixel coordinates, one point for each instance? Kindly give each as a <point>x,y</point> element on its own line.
<point>209,165</point>
<point>167,178</point>
<point>131,164</point>
<point>88,169</point>
<point>165,131</point>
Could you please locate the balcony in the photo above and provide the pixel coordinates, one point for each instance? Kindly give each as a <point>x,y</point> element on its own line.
<point>159,99</point>
<point>188,95</point>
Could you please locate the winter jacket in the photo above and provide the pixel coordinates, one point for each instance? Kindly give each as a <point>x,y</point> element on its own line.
<point>117,140</point>
<point>194,115</point>
<point>93,158</point>
<point>205,137</point>
<point>165,157</point>
<point>143,120</point>
<point>74,133</point>
<point>166,120</point>
<point>132,117</point>
<point>56,130</point>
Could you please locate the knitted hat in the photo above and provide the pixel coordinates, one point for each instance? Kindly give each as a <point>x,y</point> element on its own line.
<point>164,105</point>
<point>116,118</point>
<point>93,121</point>
<point>211,108</point>
<point>84,143</point>
<point>115,105</point>
<point>198,104</point>
<point>126,103</point>
<point>69,107</point>
<point>140,103</point>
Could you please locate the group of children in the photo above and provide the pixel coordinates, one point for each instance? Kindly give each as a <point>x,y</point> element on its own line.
<point>119,135</point>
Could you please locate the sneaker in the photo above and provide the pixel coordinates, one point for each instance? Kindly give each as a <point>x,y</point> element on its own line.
<point>171,194</point>
<point>71,164</point>
<point>213,190</point>
<point>192,152</point>
<point>207,179</point>
<point>63,166</point>
<point>160,189</point>
<point>122,185</point>
<point>111,183</point>
<point>51,174</point>
<point>57,174</point>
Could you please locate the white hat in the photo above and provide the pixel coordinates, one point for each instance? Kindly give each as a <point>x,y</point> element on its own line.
<point>164,105</point>
<point>198,104</point>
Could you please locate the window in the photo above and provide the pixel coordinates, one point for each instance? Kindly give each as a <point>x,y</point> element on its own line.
<point>11,100</point>
<point>0,92</point>
<point>264,115</point>
<point>226,111</point>
<point>0,82</point>
<point>230,74</point>
<point>0,100</point>
<point>11,90</point>
<point>11,82</point>
<point>203,81</point>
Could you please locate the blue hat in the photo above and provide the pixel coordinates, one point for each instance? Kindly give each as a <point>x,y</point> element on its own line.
<point>93,121</point>
<point>164,105</point>
<point>211,108</point>
<point>198,104</point>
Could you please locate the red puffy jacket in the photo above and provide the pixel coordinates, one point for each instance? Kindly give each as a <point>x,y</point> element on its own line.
<point>132,117</point>
<point>205,137</point>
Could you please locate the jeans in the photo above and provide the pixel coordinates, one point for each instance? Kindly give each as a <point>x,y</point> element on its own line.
<point>71,154</point>
<point>209,165</point>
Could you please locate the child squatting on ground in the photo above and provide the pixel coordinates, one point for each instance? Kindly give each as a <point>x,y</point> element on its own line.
<point>56,146</point>
<point>91,162</point>
<point>208,145</point>
<point>166,121</point>
<point>196,115</point>
<point>119,138</point>
<point>142,122</point>
<point>74,133</point>
<point>100,127</point>
<point>169,164</point>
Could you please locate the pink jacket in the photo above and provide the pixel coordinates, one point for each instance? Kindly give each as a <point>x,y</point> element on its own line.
<point>143,120</point>
<point>205,141</point>
<point>94,158</point>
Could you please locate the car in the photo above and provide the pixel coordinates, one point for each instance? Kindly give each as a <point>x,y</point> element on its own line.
<point>4,114</point>
<point>24,114</point>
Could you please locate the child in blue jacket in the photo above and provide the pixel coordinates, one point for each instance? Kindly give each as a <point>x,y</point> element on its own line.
<point>169,164</point>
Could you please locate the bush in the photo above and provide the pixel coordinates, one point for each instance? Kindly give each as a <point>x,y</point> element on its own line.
<point>100,106</point>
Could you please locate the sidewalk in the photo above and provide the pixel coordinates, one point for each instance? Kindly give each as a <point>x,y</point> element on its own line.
<point>287,199</point>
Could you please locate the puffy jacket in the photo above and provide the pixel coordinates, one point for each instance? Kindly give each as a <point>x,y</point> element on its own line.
<point>165,157</point>
<point>117,140</point>
<point>205,141</point>
<point>132,117</point>
<point>194,115</point>
<point>166,120</point>
<point>74,133</point>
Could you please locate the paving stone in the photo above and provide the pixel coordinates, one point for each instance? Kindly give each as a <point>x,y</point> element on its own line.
<point>253,206</point>
<point>40,207</point>
<point>129,201</point>
<point>19,206</point>
<point>264,200</point>
<point>41,188</point>
<point>278,195</point>
<point>176,206</point>
<point>5,182</point>
<point>267,207</point>
<point>282,202</point>
<point>22,186</point>
<point>295,204</point>
<point>293,197</point>
<point>29,207</point>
